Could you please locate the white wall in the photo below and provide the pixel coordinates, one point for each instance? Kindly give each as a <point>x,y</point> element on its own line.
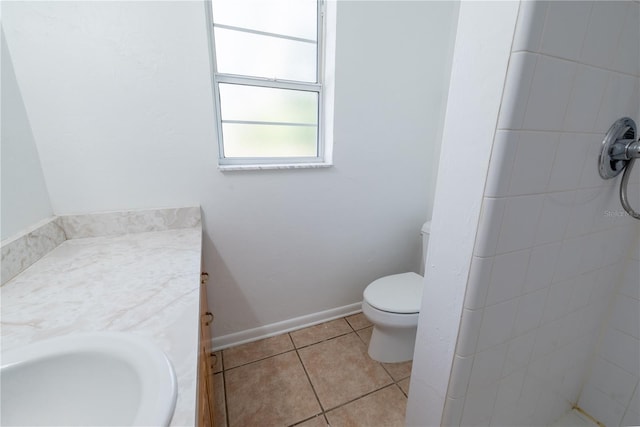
<point>119,98</point>
<point>552,242</point>
<point>25,200</point>
<point>482,47</point>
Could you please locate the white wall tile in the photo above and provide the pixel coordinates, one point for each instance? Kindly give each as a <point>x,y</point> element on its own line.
<point>530,311</point>
<point>508,415</point>
<point>469,331</point>
<point>530,25</point>
<point>549,94</point>
<point>622,350</point>
<point>590,177</point>
<point>533,162</point>
<point>487,367</point>
<point>531,391</point>
<point>519,352</point>
<point>617,245</point>
<point>519,222</point>
<point>631,418</point>
<point>603,204</point>
<point>507,276</point>
<point>601,407</point>
<point>620,100</point>
<point>591,320</point>
<point>565,28</point>
<point>550,406</point>
<point>635,252</point>
<point>478,284</point>
<point>569,259</point>
<point>516,93</point>
<point>608,277</point>
<point>628,55</point>
<point>558,299</point>
<point>601,41</point>
<point>460,373</point>
<point>630,285</point>
<point>478,406</point>
<point>595,245</point>
<point>609,212</point>
<point>626,316</point>
<point>542,265</point>
<point>556,214</point>
<point>497,322</point>
<point>568,162</point>
<point>547,339</point>
<point>586,96</point>
<point>453,411</point>
<point>583,289</point>
<point>606,247</point>
<point>489,226</point>
<point>576,328</point>
<point>583,212</point>
<point>571,325</point>
<point>572,381</point>
<point>613,381</point>
<point>509,390</point>
<point>634,405</point>
<point>503,154</point>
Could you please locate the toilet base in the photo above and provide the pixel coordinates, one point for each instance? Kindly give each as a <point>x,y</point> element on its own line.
<point>392,345</point>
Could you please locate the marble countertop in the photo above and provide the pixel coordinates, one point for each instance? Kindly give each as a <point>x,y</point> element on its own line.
<point>145,283</point>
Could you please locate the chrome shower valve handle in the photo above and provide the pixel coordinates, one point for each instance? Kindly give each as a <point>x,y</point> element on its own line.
<point>619,152</point>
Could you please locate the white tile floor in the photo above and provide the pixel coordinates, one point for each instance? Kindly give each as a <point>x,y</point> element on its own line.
<point>574,419</point>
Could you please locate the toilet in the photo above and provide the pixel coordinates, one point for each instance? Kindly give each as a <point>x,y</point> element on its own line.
<point>392,304</point>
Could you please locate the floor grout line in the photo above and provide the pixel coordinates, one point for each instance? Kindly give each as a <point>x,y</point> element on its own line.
<point>325,340</point>
<point>315,393</point>
<point>323,411</point>
<point>294,347</point>
<point>224,391</point>
<point>261,359</point>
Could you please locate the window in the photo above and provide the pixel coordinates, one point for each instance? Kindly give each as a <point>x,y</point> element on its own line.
<point>270,82</point>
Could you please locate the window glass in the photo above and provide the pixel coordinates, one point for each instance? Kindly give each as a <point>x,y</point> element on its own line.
<point>273,16</point>
<point>264,56</point>
<point>248,140</point>
<point>253,103</point>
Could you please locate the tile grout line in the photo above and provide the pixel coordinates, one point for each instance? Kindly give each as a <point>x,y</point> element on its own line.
<point>262,358</point>
<point>224,391</point>
<point>362,396</point>
<point>294,346</point>
<point>324,340</point>
<point>304,368</point>
<point>309,419</point>
<point>323,412</point>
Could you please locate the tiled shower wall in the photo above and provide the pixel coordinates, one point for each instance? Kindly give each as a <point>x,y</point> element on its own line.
<point>553,241</point>
<point>611,392</point>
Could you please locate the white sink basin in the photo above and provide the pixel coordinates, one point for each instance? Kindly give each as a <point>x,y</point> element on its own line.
<point>98,379</point>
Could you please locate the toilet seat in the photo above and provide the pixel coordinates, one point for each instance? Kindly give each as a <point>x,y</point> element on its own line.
<point>398,293</point>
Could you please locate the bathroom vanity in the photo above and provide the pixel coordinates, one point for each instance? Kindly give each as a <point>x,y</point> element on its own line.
<point>134,272</point>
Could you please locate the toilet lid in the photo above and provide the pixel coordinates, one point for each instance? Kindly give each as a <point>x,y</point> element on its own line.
<point>399,293</point>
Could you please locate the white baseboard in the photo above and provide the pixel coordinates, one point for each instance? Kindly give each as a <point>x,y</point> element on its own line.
<point>285,326</point>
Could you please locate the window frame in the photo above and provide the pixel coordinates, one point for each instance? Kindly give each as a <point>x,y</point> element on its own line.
<point>322,157</point>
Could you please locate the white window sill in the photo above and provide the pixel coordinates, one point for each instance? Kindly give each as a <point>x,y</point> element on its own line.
<point>229,168</point>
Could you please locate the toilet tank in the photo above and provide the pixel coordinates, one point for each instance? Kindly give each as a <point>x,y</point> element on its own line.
<point>426,231</point>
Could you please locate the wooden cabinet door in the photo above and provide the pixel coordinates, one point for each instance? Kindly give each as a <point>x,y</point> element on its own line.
<point>205,388</point>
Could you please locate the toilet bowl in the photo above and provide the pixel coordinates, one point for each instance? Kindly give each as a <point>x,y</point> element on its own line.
<point>392,304</point>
